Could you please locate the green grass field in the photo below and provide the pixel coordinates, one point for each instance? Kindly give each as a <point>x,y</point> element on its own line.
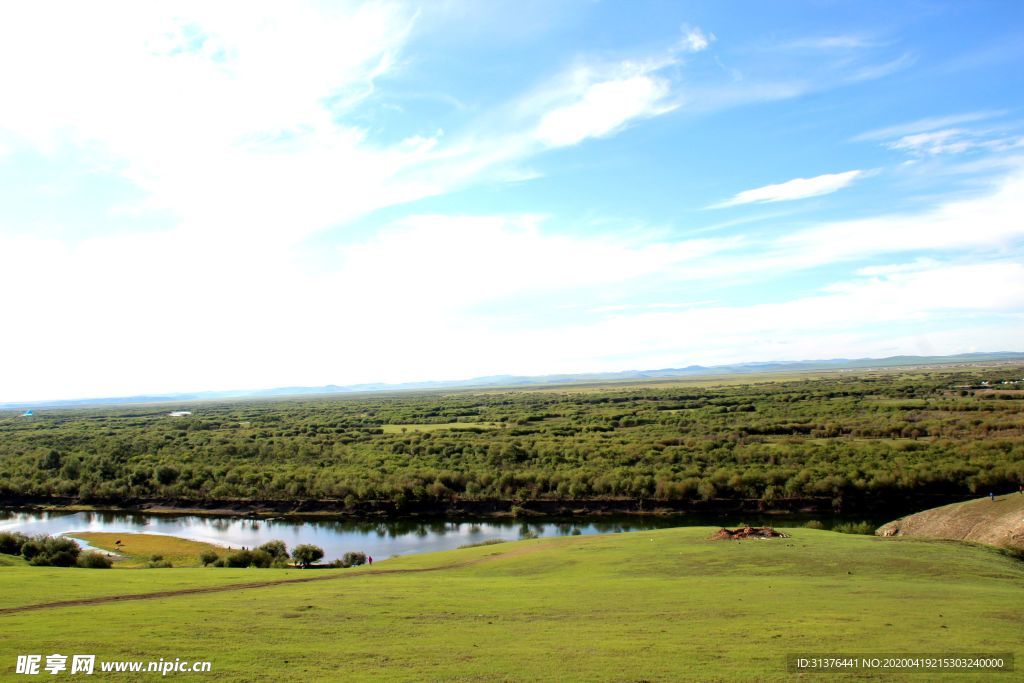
<point>667,605</point>
<point>136,550</point>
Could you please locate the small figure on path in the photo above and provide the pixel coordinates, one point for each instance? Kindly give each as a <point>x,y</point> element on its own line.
<point>992,496</point>
<point>369,560</point>
<point>1021,490</point>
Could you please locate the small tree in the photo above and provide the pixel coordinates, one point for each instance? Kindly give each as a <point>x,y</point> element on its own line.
<point>353,559</point>
<point>208,557</point>
<point>276,549</point>
<point>306,554</point>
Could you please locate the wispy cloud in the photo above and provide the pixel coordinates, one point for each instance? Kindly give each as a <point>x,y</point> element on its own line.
<point>834,42</point>
<point>873,71</point>
<point>695,40</point>
<point>603,108</point>
<point>437,272</point>
<point>798,188</point>
<point>955,141</point>
<point>926,124</point>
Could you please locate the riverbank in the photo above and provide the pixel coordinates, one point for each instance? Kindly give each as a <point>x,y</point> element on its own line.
<point>879,507</point>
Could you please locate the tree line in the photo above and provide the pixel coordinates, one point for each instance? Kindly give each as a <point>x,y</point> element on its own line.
<point>836,435</point>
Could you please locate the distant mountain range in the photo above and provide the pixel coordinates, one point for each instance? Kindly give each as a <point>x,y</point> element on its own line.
<point>538,380</point>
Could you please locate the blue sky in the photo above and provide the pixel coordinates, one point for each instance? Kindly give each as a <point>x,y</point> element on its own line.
<point>250,195</point>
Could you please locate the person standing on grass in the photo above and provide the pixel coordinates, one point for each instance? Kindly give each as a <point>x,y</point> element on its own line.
<point>369,560</point>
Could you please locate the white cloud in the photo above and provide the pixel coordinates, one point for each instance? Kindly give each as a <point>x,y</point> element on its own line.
<point>226,114</point>
<point>413,302</point>
<point>991,221</point>
<point>852,319</point>
<point>955,141</point>
<point>949,140</point>
<point>837,42</point>
<point>917,264</point>
<point>925,125</point>
<point>798,188</point>
<point>603,108</point>
<point>695,40</point>
<point>236,118</point>
<point>873,71</point>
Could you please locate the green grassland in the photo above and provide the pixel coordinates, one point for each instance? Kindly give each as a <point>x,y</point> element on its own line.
<point>668,605</point>
<point>26,585</point>
<point>832,436</point>
<point>11,561</point>
<point>137,550</point>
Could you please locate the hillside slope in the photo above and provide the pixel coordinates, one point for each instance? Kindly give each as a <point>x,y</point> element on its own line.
<point>667,605</point>
<point>998,522</point>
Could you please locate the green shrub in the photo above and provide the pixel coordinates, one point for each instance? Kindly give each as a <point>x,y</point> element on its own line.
<point>275,549</point>
<point>865,528</point>
<point>813,524</point>
<point>50,551</point>
<point>159,564</point>
<point>31,548</point>
<point>239,558</point>
<point>306,554</point>
<point>11,542</point>
<point>352,559</point>
<point>91,559</point>
<point>261,559</point>
<point>155,558</point>
<point>208,557</point>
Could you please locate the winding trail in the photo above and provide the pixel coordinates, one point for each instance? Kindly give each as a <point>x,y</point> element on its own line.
<point>330,576</point>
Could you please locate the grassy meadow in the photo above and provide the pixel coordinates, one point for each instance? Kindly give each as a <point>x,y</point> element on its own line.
<point>137,550</point>
<point>666,605</point>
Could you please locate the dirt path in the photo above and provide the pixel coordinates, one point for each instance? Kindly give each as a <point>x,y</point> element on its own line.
<point>331,576</point>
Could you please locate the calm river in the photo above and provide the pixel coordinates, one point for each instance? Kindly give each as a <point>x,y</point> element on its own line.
<point>381,539</point>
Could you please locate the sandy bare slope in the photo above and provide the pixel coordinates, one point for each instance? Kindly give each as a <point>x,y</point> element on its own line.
<point>999,522</point>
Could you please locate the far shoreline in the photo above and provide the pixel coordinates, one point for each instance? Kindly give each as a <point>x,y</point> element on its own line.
<point>882,509</point>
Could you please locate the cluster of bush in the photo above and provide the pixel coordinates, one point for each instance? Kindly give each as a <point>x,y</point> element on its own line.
<point>350,560</point>
<point>877,437</point>
<point>51,551</point>
<point>864,528</point>
<point>275,554</point>
<point>158,562</point>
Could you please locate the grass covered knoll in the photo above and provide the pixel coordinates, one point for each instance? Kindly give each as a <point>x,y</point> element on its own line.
<point>11,560</point>
<point>137,550</point>
<point>998,522</point>
<point>668,605</point>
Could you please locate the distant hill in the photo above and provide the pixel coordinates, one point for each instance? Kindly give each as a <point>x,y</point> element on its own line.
<point>538,380</point>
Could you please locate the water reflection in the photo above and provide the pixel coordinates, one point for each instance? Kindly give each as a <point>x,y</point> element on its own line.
<point>381,539</point>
